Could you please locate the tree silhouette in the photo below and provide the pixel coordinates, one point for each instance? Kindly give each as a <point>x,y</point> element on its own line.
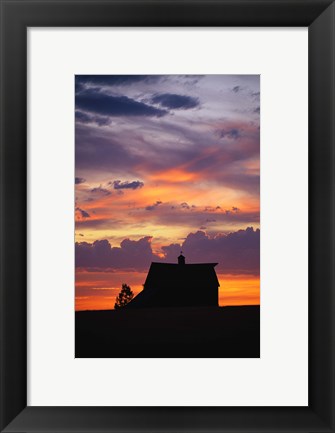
<point>124,297</point>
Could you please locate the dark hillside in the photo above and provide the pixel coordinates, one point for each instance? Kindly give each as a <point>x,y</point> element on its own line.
<point>199,332</point>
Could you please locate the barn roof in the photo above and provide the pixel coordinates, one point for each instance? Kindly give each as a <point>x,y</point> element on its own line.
<point>166,274</point>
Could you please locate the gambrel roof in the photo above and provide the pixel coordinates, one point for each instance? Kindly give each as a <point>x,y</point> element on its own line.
<point>168,274</point>
<point>166,280</point>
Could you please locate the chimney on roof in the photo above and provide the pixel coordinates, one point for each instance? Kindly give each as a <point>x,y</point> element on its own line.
<point>181,259</point>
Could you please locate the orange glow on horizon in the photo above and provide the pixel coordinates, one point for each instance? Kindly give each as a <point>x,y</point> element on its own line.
<point>239,290</point>
<point>100,293</point>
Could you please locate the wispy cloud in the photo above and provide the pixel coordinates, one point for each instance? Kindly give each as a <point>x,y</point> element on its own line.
<point>82,213</point>
<point>174,101</point>
<point>153,206</point>
<point>135,184</point>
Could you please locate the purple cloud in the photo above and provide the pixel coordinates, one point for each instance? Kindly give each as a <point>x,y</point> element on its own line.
<point>135,255</point>
<point>173,101</point>
<point>153,206</point>
<point>184,205</point>
<point>236,253</point>
<point>232,133</point>
<point>110,151</point>
<point>135,184</point>
<point>99,191</point>
<point>83,213</point>
<point>79,180</point>
<point>82,117</point>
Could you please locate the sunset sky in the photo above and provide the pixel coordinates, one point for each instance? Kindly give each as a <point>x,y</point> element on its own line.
<point>164,164</point>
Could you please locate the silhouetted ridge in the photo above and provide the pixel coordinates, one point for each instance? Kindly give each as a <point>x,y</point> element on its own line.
<point>190,332</point>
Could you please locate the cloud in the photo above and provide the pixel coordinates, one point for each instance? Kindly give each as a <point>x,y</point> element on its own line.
<point>191,80</point>
<point>78,87</point>
<point>153,206</point>
<point>100,103</point>
<point>212,208</point>
<point>173,101</point>
<point>236,253</point>
<point>100,223</point>
<point>143,146</point>
<point>113,80</point>
<point>135,184</point>
<point>101,151</point>
<point>79,180</point>
<point>134,152</point>
<point>82,117</point>
<point>184,205</point>
<point>232,133</point>
<point>234,210</point>
<point>100,254</point>
<point>82,213</point>
<point>168,213</point>
<point>255,95</point>
<point>236,89</point>
<point>100,191</point>
<point>171,252</point>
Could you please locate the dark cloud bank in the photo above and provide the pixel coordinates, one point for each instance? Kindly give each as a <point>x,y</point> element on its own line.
<point>102,104</point>
<point>236,253</point>
<point>173,101</point>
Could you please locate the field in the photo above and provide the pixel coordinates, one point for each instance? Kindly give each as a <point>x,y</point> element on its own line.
<point>202,332</point>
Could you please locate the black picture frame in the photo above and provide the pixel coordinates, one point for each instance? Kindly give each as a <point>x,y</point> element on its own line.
<point>16,17</point>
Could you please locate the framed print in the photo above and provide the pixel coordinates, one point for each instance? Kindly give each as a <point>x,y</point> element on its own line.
<point>167,216</point>
<point>225,338</point>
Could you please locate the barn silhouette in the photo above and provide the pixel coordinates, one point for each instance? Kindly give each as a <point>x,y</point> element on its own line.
<point>178,285</point>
